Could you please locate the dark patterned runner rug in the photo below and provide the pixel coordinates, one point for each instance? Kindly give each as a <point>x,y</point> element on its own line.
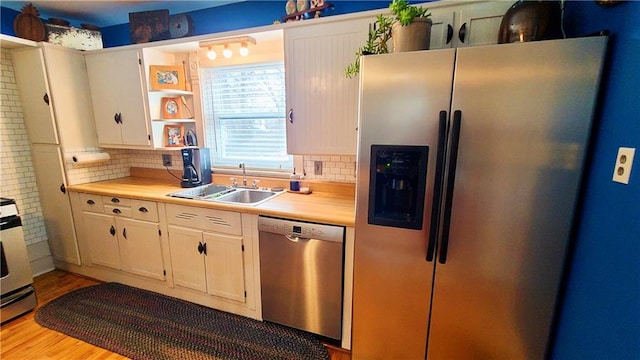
<point>144,325</point>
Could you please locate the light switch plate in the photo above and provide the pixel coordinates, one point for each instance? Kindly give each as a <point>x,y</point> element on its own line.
<point>624,161</point>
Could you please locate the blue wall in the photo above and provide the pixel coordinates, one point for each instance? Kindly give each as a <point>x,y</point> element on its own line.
<point>600,314</point>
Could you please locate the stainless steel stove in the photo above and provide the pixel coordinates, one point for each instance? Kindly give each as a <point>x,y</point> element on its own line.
<point>16,283</point>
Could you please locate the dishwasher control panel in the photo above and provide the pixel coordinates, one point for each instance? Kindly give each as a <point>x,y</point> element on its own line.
<point>301,229</point>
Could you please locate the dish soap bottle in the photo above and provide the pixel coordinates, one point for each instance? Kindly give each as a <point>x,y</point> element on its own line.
<point>294,181</point>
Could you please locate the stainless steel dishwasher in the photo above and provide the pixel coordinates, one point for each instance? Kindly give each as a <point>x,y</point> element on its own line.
<point>301,272</point>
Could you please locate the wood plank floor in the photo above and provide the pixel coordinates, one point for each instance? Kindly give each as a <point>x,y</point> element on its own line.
<point>24,339</point>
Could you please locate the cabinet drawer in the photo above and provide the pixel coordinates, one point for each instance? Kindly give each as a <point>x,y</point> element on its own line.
<point>117,201</point>
<point>227,222</point>
<point>144,210</point>
<point>117,210</point>
<point>92,203</point>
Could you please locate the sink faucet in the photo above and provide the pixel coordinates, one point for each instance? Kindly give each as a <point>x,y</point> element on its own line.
<point>244,174</point>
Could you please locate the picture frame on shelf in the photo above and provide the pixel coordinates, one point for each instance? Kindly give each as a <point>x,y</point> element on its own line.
<point>163,77</point>
<point>171,108</point>
<point>173,135</point>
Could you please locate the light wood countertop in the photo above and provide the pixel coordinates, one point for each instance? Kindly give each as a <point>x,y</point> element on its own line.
<point>322,206</point>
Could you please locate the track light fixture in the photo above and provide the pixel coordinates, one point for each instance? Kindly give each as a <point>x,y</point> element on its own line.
<point>227,43</point>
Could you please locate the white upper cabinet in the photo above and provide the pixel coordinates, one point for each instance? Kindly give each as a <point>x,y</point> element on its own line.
<point>322,105</point>
<point>118,96</point>
<point>54,89</point>
<point>466,24</point>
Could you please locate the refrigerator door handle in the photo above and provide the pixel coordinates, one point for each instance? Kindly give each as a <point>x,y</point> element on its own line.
<point>437,188</point>
<point>451,177</point>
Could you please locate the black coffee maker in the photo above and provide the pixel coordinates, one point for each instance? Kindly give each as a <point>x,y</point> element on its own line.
<point>196,167</point>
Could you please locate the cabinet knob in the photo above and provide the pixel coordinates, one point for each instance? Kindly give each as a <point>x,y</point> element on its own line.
<point>115,200</point>
<point>290,115</point>
<point>45,98</point>
<point>463,32</point>
<point>112,231</point>
<point>143,209</point>
<point>91,202</point>
<point>63,189</point>
<point>116,211</point>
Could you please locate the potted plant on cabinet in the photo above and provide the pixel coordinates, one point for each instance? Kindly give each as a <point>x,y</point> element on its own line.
<point>409,27</point>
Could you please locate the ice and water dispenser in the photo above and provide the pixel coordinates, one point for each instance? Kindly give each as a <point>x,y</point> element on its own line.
<point>397,185</point>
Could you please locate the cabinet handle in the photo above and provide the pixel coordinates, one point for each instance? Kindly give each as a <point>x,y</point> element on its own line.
<point>63,189</point>
<point>124,232</point>
<point>115,118</point>
<point>115,200</point>
<point>116,211</point>
<point>204,248</point>
<point>463,32</point>
<point>290,115</point>
<point>200,247</point>
<point>449,33</point>
<point>143,209</point>
<point>120,118</point>
<point>91,202</point>
<point>112,231</point>
<point>45,98</point>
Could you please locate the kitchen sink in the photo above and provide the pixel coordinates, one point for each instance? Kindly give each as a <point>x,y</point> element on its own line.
<point>201,192</point>
<point>247,196</point>
<point>226,194</point>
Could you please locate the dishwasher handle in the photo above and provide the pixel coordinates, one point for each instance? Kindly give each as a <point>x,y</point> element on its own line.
<point>296,239</point>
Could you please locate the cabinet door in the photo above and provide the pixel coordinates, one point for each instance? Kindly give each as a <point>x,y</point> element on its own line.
<point>54,199</point>
<point>480,23</point>
<point>187,263</point>
<point>140,247</point>
<point>34,92</point>
<point>101,234</point>
<point>225,266</point>
<point>117,92</point>
<point>321,102</point>
<point>70,96</point>
<point>442,34</point>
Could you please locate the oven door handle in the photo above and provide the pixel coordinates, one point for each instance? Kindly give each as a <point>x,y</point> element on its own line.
<point>19,296</point>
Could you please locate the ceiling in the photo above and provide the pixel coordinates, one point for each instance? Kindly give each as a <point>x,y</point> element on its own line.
<point>108,12</point>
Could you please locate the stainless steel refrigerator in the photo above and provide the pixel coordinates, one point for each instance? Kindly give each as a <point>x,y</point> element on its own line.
<point>468,172</point>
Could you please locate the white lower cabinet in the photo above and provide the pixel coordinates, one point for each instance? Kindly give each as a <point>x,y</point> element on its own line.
<point>208,251</point>
<point>208,262</point>
<point>123,234</point>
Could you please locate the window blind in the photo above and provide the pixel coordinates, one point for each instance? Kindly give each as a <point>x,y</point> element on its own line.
<point>244,111</point>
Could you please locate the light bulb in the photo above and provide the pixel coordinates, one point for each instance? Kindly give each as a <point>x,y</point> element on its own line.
<point>211,54</point>
<point>227,52</point>
<point>244,49</point>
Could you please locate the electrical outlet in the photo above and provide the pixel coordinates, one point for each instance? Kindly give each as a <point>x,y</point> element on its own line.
<point>166,160</point>
<point>317,168</point>
<point>624,161</point>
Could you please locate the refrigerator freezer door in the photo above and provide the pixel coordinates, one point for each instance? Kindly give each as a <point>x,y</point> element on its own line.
<point>401,96</point>
<point>526,116</point>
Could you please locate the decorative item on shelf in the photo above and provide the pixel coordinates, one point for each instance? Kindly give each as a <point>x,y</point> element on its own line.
<point>409,27</point>
<point>531,21</point>
<point>146,26</point>
<point>302,10</point>
<point>28,25</point>
<point>180,25</point>
<point>608,3</point>
<point>74,38</point>
<point>290,7</point>
<point>174,135</point>
<point>226,44</point>
<point>59,22</point>
<point>171,108</point>
<point>166,77</point>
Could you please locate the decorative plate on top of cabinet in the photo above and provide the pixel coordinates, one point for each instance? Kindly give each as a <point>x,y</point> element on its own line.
<point>28,25</point>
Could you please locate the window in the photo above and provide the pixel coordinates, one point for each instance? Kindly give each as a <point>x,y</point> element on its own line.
<point>244,110</point>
